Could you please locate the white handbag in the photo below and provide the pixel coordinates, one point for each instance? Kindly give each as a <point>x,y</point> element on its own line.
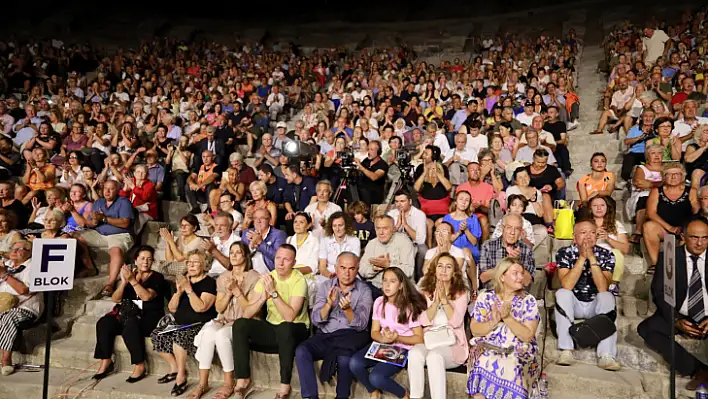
<point>438,337</point>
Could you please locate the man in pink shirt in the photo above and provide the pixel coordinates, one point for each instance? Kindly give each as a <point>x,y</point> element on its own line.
<point>482,194</point>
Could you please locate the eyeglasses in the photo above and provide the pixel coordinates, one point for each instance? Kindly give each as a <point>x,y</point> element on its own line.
<point>73,157</point>
<point>17,249</point>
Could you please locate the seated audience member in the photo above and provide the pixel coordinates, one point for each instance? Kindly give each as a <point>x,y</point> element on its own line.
<point>322,208</point>
<point>39,175</point>
<point>444,236</point>
<point>481,195</point>
<point>191,305</point>
<point>597,182</point>
<point>179,159</point>
<point>388,249</point>
<point>234,291</point>
<point>585,272</point>
<point>363,226</point>
<point>77,208</point>
<point>15,281</point>
<point>671,145</point>
<point>668,207</point>
<point>447,298</point>
<point>696,157</point>
<point>300,191</point>
<point>412,222</point>
<point>533,196</point>
<point>128,320</point>
<point>703,199</point>
<point>284,292</point>
<point>526,154</point>
<point>258,201</point>
<point>226,205</point>
<point>466,226</point>
<point>548,180</point>
<point>691,321</point>
<point>396,321</point>
<point>457,159</point>
<point>611,235</point>
<point>219,244</point>
<point>338,237</point>
<point>143,195</point>
<point>646,177</point>
<point>53,198</point>
<point>267,152</point>
<point>341,313</point>
<point>517,204</point>
<point>432,184</point>
<point>506,317</point>
<point>509,244</point>
<point>275,185</point>
<point>176,250</point>
<point>635,142</point>
<point>308,250</point>
<point>201,182</point>
<point>109,223</point>
<point>71,171</point>
<point>263,240</point>
<point>230,185</point>
<point>10,203</point>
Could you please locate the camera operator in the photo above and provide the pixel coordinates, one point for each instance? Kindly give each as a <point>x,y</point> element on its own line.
<point>635,141</point>
<point>372,176</point>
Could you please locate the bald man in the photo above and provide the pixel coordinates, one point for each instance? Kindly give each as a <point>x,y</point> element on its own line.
<point>585,272</point>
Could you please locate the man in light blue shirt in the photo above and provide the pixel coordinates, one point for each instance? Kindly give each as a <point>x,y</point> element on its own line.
<point>26,128</point>
<point>635,142</point>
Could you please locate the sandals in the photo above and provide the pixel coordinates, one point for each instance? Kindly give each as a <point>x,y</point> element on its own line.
<point>107,290</point>
<point>179,389</point>
<point>635,238</point>
<point>241,393</point>
<point>167,378</point>
<point>596,131</point>
<point>224,392</point>
<point>198,391</point>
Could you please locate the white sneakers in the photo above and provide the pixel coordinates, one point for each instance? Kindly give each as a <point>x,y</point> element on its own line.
<point>606,362</point>
<point>7,370</point>
<point>566,358</point>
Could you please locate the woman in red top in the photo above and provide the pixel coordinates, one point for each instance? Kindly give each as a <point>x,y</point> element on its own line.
<point>142,194</point>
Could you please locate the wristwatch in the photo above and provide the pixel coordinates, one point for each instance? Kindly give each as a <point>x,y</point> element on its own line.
<point>274,294</point>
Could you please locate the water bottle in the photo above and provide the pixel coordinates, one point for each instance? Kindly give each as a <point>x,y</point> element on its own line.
<point>543,387</point>
<point>701,392</point>
<point>534,392</point>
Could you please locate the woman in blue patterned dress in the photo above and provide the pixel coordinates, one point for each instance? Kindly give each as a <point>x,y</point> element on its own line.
<point>502,361</point>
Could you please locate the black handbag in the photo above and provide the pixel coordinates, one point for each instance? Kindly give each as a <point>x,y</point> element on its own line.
<point>590,332</point>
<point>126,310</point>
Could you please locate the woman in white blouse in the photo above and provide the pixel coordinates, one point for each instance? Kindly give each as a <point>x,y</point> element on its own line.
<point>322,209</point>
<point>308,250</point>
<point>338,238</point>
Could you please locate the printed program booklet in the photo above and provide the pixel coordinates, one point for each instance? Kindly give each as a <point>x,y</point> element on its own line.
<point>386,353</point>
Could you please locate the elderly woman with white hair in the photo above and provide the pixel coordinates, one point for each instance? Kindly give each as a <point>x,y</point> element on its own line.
<point>142,194</point>
<point>17,305</point>
<point>258,200</point>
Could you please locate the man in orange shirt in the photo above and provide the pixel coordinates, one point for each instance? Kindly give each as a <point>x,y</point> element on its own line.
<point>481,193</point>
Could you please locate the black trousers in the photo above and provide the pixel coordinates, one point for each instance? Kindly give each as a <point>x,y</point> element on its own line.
<point>629,161</point>
<point>133,333</point>
<point>261,336</point>
<point>656,332</point>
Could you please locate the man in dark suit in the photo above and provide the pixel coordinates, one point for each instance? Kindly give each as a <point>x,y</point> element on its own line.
<point>263,240</point>
<point>214,145</point>
<point>691,304</point>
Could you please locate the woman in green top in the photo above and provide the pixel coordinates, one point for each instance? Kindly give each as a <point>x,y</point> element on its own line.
<point>284,292</point>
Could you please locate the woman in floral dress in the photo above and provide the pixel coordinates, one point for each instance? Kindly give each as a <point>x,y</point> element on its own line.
<point>502,361</point>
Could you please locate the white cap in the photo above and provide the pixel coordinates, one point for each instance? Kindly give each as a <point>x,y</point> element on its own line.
<point>281,124</point>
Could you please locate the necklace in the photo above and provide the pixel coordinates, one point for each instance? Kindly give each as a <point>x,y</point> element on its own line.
<point>300,242</point>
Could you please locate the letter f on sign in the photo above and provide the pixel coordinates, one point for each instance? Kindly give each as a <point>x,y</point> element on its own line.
<point>48,257</point>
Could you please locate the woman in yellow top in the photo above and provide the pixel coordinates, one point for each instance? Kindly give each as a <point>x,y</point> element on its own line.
<point>597,182</point>
<point>284,292</point>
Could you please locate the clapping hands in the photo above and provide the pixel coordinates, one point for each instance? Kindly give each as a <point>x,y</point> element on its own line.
<point>388,336</point>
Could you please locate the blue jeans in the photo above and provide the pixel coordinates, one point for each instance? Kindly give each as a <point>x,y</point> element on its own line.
<point>306,354</point>
<point>379,378</point>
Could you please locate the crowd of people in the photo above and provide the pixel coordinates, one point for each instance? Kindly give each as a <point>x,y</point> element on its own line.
<point>375,219</point>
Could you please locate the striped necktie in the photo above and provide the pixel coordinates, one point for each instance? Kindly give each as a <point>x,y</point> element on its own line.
<point>696,310</point>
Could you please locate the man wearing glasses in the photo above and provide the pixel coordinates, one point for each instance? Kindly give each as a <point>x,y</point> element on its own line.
<point>509,244</point>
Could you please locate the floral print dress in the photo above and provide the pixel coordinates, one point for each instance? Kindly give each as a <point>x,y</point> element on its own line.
<point>502,375</point>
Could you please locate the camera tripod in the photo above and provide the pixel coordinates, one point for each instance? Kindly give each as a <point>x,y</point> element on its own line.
<point>346,192</point>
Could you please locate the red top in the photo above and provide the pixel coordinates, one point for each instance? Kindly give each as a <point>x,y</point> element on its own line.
<point>146,194</point>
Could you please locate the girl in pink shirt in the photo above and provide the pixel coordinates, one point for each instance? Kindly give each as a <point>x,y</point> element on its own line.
<point>396,322</point>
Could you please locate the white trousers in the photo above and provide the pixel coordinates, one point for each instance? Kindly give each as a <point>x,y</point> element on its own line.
<point>604,302</point>
<point>214,336</point>
<point>438,360</point>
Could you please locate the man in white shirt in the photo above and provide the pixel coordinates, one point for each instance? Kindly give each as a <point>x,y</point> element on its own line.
<point>457,159</point>
<point>544,137</point>
<point>275,103</point>
<point>26,128</point>
<point>691,301</point>
<point>686,128</point>
<point>527,116</point>
<point>220,243</point>
<point>388,249</point>
<point>654,44</point>
<point>441,142</point>
<point>525,154</point>
<point>616,112</point>
<point>411,221</point>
